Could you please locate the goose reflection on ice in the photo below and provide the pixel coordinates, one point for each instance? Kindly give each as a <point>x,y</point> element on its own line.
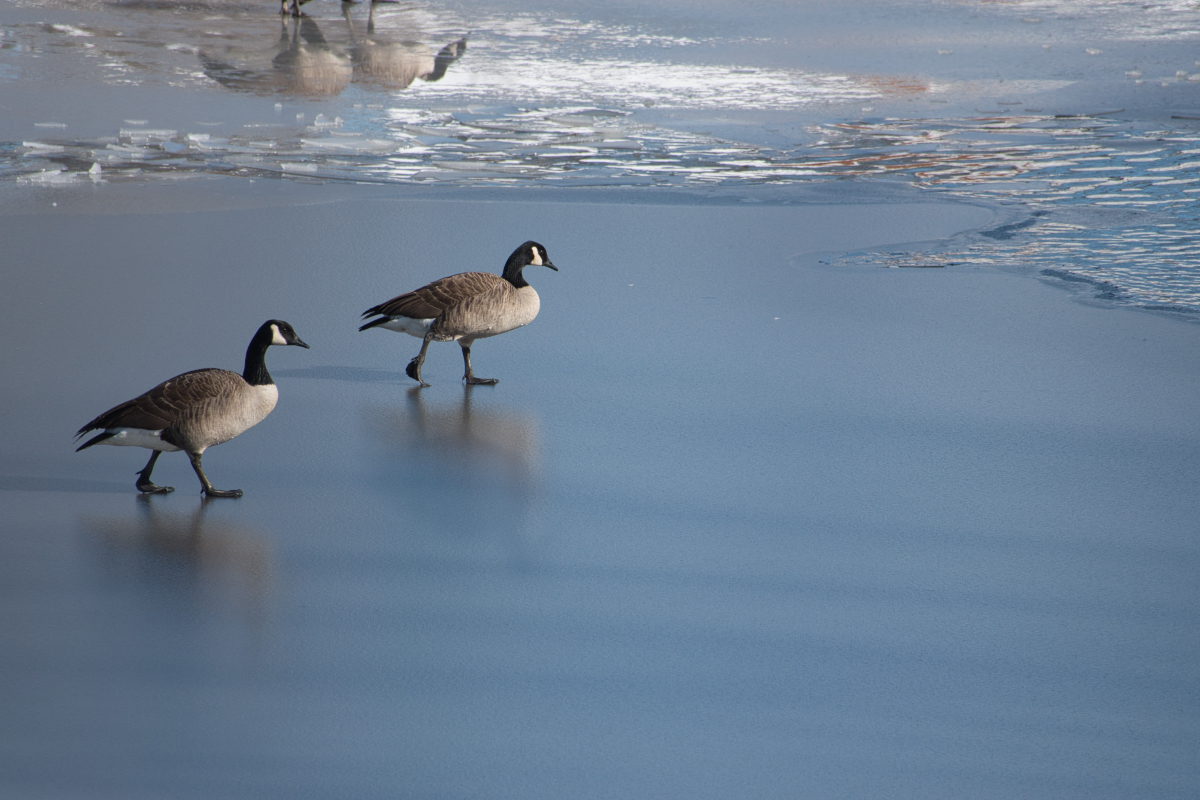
<point>186,550</point>
<point>303,62</point>
<point>389,62</point>
<point>459,470</point>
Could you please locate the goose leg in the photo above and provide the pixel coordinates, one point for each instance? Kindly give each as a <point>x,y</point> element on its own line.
<point>469,375</point>
<point>413,370</point>
<point>143,481</point>
<point>209,491</point>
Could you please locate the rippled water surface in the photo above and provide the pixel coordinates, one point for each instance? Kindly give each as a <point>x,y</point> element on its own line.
<point>470,95</point>
<point>1107,204</point>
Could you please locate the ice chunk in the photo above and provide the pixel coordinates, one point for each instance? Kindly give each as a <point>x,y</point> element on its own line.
<point>69,30</point>
<point>51,176</point>
<point>148,133</point>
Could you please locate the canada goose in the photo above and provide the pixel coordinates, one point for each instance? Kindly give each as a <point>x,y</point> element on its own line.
<point>464,307</point>
<point>196,410</point>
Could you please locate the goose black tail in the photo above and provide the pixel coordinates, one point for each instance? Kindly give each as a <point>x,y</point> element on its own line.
<point>94,440</point>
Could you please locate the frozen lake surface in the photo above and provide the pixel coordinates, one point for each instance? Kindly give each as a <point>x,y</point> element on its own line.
<point>797,486</point>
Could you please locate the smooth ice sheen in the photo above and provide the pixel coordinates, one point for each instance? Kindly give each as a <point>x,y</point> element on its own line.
<point>925,533</point>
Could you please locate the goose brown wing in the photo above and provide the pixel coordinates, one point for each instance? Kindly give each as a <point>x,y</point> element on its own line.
<point>432,299</point>
<point>163,405</point>
<point>478,315</point>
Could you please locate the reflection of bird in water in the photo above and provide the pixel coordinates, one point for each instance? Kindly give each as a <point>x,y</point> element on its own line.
<point>292,8</point>
<point>457,468</point>
<point>302,63</point>
<point>465,307</point>
<point>393,64</point>
<point>196,410</point>
<point>497,442</point>
<point>213,549</point>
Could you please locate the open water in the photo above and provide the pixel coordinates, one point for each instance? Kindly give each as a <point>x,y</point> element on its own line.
<point>1082,118</point>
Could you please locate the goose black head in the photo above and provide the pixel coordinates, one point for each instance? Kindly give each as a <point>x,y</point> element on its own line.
<point>281,333</point>
<point>529,254</point>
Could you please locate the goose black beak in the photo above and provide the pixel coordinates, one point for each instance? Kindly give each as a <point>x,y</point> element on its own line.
<point>300,342</point>
<point>548,264</point>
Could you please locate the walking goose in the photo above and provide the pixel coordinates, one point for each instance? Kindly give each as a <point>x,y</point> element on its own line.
<point>463,308</point>
<point>196,410</point>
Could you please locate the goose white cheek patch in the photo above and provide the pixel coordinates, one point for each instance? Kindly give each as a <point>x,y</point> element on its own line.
<point>276,336</point>
<point>537,257</point>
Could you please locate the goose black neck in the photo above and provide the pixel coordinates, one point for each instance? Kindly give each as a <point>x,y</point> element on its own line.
<point>512,269</point>
<point>513,275</point>
<point>255,372</point>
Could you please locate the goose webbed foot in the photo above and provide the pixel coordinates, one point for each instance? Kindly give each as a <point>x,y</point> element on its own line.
<point>469,374</point>
<point>206,485</point>
<point>413,370</point>
<point>147,486</point>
